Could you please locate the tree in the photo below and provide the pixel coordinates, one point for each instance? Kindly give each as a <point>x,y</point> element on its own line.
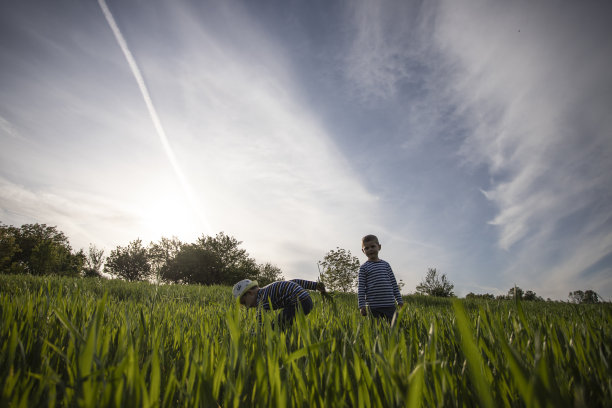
<point>267,273</point>
<point>339,270</point>
<point>210,261</point>
<point>94,261</point>
<point>193,265</point>
<point>531,296</point>
<point>161,253</point>
<point>234,262</point>
<point>39,250</point>
<point>486,296</point>
<point>8,249</point>
<point>436,285</point>
<point>515,293</point>
<point>130,263</point>
<point>588,296</point>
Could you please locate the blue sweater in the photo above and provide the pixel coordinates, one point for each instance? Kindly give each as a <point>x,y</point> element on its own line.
<point>377,285</point>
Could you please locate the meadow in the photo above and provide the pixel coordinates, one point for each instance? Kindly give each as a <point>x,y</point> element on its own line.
<point>92,343</point>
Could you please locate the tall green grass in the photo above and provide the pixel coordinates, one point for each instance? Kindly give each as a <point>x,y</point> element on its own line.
<point>87,342</point>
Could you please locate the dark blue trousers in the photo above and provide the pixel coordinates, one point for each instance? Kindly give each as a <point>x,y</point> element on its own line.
<point>384,312</point>
<point>287,316</point>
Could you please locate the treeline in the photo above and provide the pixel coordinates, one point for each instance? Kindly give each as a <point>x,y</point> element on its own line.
<point>513,293</point>
<point>38,249</point>
<point>578,296</point>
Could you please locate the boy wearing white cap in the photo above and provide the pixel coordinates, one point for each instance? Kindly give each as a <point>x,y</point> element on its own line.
<point>285,295</point>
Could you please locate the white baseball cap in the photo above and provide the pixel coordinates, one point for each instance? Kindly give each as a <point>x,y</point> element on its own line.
<point>242,287</point>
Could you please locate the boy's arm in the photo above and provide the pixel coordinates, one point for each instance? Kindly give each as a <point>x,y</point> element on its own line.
<point>361,289</point>
<point>309,285</point>
<point>259,321</point>
<point>396,291</point>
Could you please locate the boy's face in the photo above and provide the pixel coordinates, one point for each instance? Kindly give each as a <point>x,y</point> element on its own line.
<point>249,299</point>
<point>370,249</point>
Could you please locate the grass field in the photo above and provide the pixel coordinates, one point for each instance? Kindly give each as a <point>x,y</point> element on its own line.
<point>92,343</point>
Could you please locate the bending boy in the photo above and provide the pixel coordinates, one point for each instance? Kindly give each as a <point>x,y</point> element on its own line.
<point>285,295</point>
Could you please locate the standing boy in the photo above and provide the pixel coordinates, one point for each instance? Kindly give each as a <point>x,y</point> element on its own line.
<point>285,295</point>
<point>377,289</point>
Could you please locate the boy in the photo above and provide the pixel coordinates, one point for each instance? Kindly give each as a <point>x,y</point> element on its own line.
<point>377,288</point>
<point>286,295</point>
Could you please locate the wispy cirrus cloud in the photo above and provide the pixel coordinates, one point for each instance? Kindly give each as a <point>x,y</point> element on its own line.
<point>387,48</point>
<point>536,116</point>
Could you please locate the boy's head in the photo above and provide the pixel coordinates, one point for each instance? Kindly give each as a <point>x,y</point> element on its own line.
<point>370,247</point>
<point>246,292</point>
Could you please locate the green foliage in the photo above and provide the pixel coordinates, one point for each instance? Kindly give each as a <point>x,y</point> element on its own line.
<point>588,296</point>
<point>435,285</point>
<point>161,253</point>
<point>210,261</point>
<point>94,262</point>
<point>515,293</point>
<point>8,248</point>
<point>339,270</point>
<point>531,296</point>
<point>39,250</point>
<point>92,342</point>
<point>130,263</point>
<point>487,296</point>
<point>268,273</point>
<point>193,265</point>
<point>235,263</point>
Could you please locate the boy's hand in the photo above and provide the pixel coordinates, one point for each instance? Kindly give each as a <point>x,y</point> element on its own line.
<point>321,287</point>
<point>364,311</point>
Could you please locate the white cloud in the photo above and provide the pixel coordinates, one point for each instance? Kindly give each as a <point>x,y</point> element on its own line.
<point>84,218</point>
<point>6,128</point>
<point>262,166</point>
<point>386,47</point>
<point>536,120</point>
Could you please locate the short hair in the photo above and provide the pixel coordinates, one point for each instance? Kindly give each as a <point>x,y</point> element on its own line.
<point>369,238</point>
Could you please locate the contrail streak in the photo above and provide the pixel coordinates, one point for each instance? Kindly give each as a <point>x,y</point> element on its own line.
<point>153,113</point>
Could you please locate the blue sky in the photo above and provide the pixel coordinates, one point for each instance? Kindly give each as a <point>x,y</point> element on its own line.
<point>470,136</point>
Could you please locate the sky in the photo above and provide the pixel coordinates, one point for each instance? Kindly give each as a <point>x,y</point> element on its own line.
<point>474,137</point>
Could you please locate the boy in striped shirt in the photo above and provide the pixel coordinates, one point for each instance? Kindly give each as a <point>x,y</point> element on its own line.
<point>377,289</point>
<point>285,295</point>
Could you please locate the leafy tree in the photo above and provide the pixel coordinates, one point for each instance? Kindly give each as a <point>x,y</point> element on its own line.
<point>486,296</point>
<point>531,295</point>
<point>268,273</point>
<point>234,262</point>
<point>94,262</point>
<point>130,263</point>
<point>588,296</point>
<point>435,284</point>
<point>8,249</point>
<point>211,260</point>
<point>193,265</point>
<point>39,250</point>
<point>161,253</point>
<point>339,270</point>
<point>515,293</point>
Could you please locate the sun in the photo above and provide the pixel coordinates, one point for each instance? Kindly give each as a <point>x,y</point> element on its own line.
<point>169,215</point>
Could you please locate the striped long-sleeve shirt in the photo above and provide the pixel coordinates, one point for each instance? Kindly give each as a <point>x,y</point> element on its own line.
<point>278,295</point>
<point>377,285</point>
